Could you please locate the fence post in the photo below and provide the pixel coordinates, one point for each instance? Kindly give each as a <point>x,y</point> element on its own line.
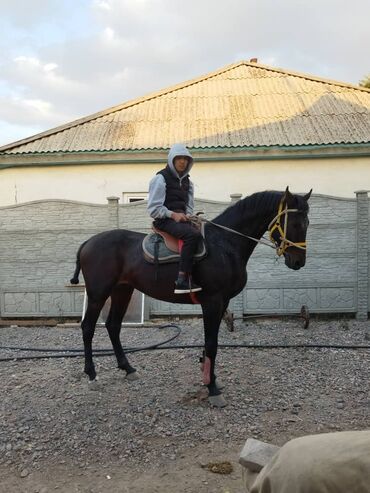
<point>237,303</point>
<point>234,197</point>
<point>362,254</point>
<point>113,211</point>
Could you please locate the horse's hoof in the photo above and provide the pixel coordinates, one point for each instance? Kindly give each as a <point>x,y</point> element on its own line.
<point>219,385</point>
<point>217,401</point>
<point>94,385</point>
<point>133,376</point>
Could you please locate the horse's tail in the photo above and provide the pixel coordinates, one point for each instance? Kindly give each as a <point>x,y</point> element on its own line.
<point>75,279</point>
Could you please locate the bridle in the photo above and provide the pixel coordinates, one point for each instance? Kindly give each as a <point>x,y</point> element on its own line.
<point>275,224</point>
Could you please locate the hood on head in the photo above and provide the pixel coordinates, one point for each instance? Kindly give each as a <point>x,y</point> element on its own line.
<point>179,150</point>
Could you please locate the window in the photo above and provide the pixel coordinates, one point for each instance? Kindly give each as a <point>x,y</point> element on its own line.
<point>130,197</point>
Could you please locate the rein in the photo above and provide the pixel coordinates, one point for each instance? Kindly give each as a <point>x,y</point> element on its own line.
<point>264,241</point>
<point>274,224</point>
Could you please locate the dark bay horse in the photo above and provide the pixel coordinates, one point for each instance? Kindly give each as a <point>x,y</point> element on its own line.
<point>113,265</point>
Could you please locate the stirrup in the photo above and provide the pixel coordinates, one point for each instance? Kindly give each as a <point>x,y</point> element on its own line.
<point>186,285</point>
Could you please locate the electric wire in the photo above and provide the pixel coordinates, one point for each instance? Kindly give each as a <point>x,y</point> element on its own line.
<point>77,353</point>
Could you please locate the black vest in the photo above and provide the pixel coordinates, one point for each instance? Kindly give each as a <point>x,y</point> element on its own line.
<point>176,195</point>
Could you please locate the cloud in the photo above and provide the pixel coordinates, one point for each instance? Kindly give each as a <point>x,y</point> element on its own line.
<point>12,133</point>
<point>75,58</point>
<point>31,109</point>
<point>22,14</point>
<point>101,4</point>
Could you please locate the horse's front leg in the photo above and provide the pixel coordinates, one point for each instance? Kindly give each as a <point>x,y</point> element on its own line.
<point>212,314</point>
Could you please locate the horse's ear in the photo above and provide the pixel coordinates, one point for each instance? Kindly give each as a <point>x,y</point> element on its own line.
<point>308,195</point>
<point>287,197</point>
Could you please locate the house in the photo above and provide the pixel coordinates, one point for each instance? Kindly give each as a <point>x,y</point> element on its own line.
<point>249,126</point>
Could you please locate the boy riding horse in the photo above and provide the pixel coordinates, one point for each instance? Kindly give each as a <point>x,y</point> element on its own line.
<point>170,204</point>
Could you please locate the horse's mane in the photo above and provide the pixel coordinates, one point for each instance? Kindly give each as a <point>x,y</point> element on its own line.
<point>261,203</point>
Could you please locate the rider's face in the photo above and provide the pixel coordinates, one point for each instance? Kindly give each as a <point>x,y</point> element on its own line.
<point>180,163</point>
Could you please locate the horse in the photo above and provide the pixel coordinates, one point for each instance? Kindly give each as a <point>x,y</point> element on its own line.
<point>113,264</point>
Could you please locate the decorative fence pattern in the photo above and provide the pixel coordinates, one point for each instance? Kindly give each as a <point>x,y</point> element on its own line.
<point>39,240</point>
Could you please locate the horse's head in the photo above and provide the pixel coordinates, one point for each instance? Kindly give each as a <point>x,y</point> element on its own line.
<point>288,229</point>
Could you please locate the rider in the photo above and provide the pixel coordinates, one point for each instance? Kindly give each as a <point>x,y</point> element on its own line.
<point>170,204</point>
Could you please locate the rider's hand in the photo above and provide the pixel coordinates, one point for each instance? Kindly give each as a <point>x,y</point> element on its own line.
<point>179,217</point>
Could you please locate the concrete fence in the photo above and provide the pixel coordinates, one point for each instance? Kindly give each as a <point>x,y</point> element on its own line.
<point>39,241</point>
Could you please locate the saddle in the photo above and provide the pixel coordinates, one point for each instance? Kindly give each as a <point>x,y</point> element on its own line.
<point>163,248</point>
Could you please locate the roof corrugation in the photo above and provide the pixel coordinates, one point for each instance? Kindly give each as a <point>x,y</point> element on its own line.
<point>244,104</point>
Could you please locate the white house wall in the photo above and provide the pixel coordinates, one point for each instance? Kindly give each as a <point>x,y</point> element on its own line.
<point>217,180</point>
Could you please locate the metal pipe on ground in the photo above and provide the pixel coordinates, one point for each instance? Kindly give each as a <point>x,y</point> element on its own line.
<point>304,314</point>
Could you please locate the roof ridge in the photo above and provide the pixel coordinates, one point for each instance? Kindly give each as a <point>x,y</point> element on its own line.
<point>173,88</point>
<point>304,75</point>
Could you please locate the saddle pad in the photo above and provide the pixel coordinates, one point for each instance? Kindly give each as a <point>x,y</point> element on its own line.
<point>165,255</point>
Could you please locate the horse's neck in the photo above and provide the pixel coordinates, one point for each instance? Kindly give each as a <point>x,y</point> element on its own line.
<point>250,216</point>
<point>254,225</point>
<point>257,225</point>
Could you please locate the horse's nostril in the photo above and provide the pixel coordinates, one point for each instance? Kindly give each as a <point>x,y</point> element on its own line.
<point>298,264</point>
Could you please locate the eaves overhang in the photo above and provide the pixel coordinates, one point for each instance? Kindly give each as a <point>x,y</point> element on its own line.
<point>209,154</point>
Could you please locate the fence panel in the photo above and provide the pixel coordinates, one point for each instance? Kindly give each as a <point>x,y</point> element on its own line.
<point>39,241</point>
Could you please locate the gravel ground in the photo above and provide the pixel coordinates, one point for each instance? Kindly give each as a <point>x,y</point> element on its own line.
<point>159,433</point>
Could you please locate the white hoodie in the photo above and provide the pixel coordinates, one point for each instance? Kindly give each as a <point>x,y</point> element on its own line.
<point>157,186</point>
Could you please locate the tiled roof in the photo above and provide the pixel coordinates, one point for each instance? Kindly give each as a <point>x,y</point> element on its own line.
<point>244,104</point>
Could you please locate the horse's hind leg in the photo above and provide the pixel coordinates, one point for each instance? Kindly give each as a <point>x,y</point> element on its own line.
<point>88,329</point>
<point>120,299</point>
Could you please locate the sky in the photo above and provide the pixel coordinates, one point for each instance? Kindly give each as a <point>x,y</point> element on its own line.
<point>63,60</point>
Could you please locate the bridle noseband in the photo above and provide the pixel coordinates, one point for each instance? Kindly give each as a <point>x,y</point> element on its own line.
<point>275,224</point>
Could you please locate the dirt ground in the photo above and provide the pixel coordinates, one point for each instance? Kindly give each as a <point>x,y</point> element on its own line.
<point>187,474</point>
<point>158,434</point>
